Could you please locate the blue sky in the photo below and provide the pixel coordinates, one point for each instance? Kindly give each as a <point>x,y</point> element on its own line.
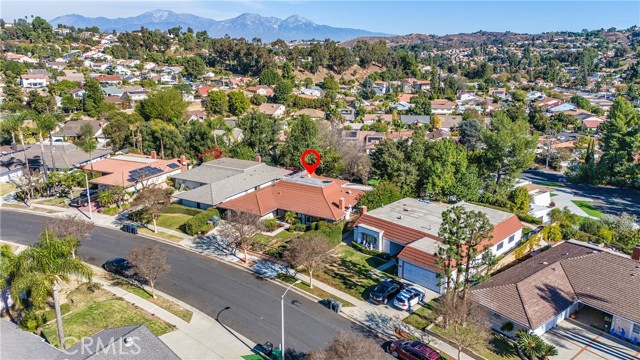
<point>395,17</point>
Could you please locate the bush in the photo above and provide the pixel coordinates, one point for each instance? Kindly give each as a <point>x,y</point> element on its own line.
<point>270,224</point>
<point>530,219</point>
<point>198,224</point>
<point>369,252</point>
<point>140,217</point>
<point>507,327</point>
<point>31,320</point>
<point>591,226</point>
<point>332,231</point>
<point>181,209</point>
<point>300,227</point>
<point>276,252</point>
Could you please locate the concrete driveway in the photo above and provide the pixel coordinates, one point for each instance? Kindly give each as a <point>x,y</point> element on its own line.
<point>577,342</point>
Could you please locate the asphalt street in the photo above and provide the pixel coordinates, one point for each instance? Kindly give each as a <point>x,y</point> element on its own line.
<point>609,200</point>
<point>208,285</point>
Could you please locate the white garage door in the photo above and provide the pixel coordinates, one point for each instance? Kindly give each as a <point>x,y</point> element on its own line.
<point>420,276</point>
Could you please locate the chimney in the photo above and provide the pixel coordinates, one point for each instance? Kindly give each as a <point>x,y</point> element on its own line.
<point>183,160</point>
<point>636,253</point>
<point>258,158</point>
<point>363,210</point>
<point>101,124</point>
<point>341,204</point>
<point>154,154</point>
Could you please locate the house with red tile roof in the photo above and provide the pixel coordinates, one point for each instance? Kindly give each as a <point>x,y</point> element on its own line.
<point>313,198</point>
<point>408,229</point>
<point>109,79</point>
<point>204,90</point>
<point>133,171</point>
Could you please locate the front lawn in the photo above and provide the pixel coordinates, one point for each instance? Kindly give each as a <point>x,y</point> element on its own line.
<point>160,234</point>
<point>352,272</point>
<point>6,188</point>
<point>277,240</point>
<point>588,208</point>
<point>549,183</point>
<point>96,310</point>
<point>498,348</point>
<point>166,304</point>
<point>315,291</point>
<point>172,221</point>
<point>422,317</point>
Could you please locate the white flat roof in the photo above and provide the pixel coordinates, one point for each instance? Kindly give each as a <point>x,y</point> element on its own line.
<point>426,216</point>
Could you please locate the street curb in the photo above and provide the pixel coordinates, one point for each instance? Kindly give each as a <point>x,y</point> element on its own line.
<point>216,258</point>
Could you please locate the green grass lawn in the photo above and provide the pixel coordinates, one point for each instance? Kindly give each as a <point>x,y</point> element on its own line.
<point>93,311</point>
<point>588,208</point>
<point>6,188</point>
<point>498,348</point>
<point>350,271</point>
<point>172,221</point>
<point>277,240</point>
<point>164,303</point>
<point>553,194</point>
<point>315,291</point>
<point>160,234</point>
<point>61,202</point>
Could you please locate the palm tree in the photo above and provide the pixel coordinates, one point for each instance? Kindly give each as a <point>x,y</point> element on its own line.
<point>14,124</point>
<point>547,351</point>
<point>530,344</point>
<point>290,217</point>
<point>45,124</point>
<point>87,142</point>
<point>39,270</point>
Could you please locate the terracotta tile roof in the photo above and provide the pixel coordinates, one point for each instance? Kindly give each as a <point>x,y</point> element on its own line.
<point>419,257</point>
<point>104,78</point>
<point>204,90</point>
<point>34,76</point>
<point>303,198</point>
<point>395,232</point>
<point>117,170</point>
<point>536,290</point>
<point>592,123</point>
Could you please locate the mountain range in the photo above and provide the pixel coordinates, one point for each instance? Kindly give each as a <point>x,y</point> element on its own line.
<point>247,25</point>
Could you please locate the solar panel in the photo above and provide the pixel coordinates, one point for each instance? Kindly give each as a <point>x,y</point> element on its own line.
<point>144,172</point>
<point>173,166</point>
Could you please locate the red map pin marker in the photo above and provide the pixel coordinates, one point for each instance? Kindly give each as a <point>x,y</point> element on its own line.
<point>311,168</point>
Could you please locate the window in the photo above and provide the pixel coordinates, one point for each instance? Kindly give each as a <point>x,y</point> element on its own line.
<point>511,238</point>
<point>636,328</point>
<point>500,246</point>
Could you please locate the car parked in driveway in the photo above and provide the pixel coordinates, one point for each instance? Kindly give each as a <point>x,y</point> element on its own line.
<point>386,291</point>
<point>91,192</point>
<point>413,350</point>
<point>408,298</point>
<point>80,201</point>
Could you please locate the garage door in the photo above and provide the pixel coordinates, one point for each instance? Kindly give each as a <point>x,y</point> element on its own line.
<point>420,276</point>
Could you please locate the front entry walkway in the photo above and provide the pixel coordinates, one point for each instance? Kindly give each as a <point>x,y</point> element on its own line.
<point>576,341</point>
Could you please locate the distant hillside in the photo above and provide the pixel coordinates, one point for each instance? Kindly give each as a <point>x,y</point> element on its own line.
<point>247,26</point>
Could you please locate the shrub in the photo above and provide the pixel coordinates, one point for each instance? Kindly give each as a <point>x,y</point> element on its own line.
<point>270,224</point>
<point>592,226</point>
<point>198,224</point>
<point>530,219</point>
<point>31,320</point>
<point>300,227</point>
<point>332,231</point>
<point>276,252</point>
<point>507,327</point>
<point>139,216</point>
<point>180,209</point>
<point>369,252</point>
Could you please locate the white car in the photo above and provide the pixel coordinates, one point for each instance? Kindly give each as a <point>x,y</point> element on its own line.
<point>561,137</point>
<point>408,297</point>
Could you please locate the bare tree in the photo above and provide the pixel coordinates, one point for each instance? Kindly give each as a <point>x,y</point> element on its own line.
<point>151,263</point>
<point>239,229</point>
<point>69,226</point>
<point>310,252</point>
<point>153,201</point>
<point>464,322</point>
<point>349,346</point>
<point>26,185</point>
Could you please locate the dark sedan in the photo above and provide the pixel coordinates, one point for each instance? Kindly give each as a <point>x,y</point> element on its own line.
<point>118,266</point>
<point>386,291</point>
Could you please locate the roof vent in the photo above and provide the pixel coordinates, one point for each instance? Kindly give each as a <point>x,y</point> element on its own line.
<point>128,341</point>
<point>545,263</point>
<point>400,217</point>
<point>406,209</point>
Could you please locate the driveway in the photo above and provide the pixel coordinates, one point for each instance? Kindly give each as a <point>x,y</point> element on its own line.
<point>577,342</point>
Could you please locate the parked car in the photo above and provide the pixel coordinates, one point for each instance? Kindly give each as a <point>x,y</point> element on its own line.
<point>412,350</point>
<point>408,297</point>
<point>118,266</point>
<point>80,201</point>
<point>386,291</point>
<point>561,137</point>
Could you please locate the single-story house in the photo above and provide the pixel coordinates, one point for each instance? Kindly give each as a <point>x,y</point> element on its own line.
<point>600,287</point>
<point>109,79</point>
<point>371,118</point>
<point>19,344</point>
<point>11,167</point>
<point>65,156</point>
<point>408,229</point>
<point>71,130</point>
<point>312,113</point>
<point>312,198</point>
<point>275,110</point>
<point>449,122</point>
<point>223,179</point>
<point>134,171</point>
<point>415,119</point>
<point>72,75</point>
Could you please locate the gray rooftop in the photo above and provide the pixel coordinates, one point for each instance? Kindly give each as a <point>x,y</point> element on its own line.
<point>225,177</point>
<point>17,344</point>
<point>72,128</point>
<point>427,216</point>
<point>66,155</point>
<point>127,342</point>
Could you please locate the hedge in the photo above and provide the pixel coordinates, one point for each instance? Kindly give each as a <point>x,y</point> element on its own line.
<point>181,209</point>
<point>529,219</point>
<point>366,251</point>
<point>198,223</point>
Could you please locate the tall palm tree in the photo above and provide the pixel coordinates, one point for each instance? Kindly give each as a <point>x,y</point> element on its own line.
<point>39,270</point>
<point>14,124</point>
<point>530,344</point>
<point>45,124</point>
<point>87,142</point>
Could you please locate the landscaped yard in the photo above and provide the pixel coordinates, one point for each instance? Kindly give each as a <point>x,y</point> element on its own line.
<point>498,348</point>
<point>315,291</point>
<point>58,201</point>
<point>588,208</point>
<point>166,304</point>
<point>160,234</point>
<point>549,183</point>
<point>351,272</point>
<point>6,188</point>
<point>96,310</point>
<point>277,240</point>
<point>172,221</point>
